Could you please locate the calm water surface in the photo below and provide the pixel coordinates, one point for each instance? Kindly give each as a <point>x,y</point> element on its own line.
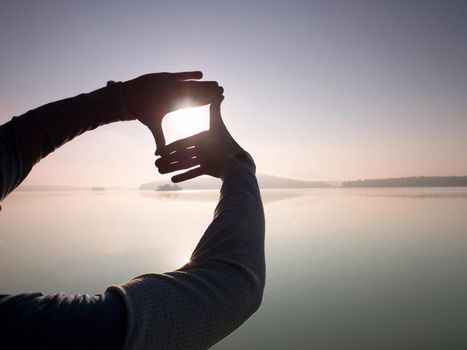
<point>347,269</point>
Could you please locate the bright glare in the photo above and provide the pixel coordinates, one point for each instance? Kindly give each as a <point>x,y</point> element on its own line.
<point>185,122</point>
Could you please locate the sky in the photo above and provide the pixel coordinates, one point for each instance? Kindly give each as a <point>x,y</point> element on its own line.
<point>315,90</point>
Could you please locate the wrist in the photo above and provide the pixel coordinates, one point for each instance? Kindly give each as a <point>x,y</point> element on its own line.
<point>239,161</point>
<point>119,104</point>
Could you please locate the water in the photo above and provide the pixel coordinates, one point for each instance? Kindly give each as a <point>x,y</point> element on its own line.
<point>353,268</point>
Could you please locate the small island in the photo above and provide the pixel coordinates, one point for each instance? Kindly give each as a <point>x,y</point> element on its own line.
<point>167,187</point>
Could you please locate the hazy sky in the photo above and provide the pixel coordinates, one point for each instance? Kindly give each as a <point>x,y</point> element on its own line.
<point>314,89</point>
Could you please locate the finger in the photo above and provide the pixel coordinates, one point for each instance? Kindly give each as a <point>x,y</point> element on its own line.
<point>194,94</point>
<point>196,88</point>
<point>186,75</point>
<point>177,156</point>
<point>184,164</point>
<point>181,144</point>
<point>215,117</point>
<point>190,87</point>
<point>190,174</point>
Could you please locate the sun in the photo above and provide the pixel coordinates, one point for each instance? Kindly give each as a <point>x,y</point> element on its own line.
<point>185,122</point>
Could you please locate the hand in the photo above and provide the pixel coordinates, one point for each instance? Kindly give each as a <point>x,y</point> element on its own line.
<point>150,97</point>
<point>209,150</point>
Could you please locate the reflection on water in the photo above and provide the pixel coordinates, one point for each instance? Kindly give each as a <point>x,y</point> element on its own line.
<point>213,195</point>
<point>347,268</point>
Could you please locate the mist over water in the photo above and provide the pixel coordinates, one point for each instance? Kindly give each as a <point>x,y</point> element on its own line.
<point>346,268</point>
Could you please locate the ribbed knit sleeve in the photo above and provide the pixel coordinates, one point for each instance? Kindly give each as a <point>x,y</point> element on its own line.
<point>222,286</point>
<point>26,139</point>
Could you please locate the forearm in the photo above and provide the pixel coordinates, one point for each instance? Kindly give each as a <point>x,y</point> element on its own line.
<point>26,139</point>
<point>207,299</point>
<point>236,235</point>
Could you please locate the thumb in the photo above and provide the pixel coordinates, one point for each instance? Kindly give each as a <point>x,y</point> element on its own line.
<point>215,117</point>
<point>158,137</point>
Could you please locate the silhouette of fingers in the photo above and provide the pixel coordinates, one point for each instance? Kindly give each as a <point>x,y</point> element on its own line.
<point>190,174</point>
<point>182,144</point>
<point>183,164</point>
<point>209,84</point>
<point>195,93</point>
<point>187,75</point>
<point>198,87</point>
<point>177,156</point>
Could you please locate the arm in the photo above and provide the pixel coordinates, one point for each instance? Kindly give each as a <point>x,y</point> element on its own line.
<point>60,321</point>
<point>222,286</point>
<point>27,139</point>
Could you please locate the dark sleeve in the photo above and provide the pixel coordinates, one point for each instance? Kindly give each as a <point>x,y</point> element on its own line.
<point>60,321</point>
<point>219,289</point>
<point>26,139</point>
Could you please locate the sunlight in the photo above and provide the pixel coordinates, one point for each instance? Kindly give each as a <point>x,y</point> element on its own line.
<point>185,122</point>
<point>182,258</point>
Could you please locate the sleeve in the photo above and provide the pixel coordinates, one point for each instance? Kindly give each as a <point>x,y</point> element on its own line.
<point>60,321</point>
<point>221,287</point>
<point>26,139</point>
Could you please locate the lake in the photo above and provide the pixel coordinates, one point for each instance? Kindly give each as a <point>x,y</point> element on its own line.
<point>346,268</point>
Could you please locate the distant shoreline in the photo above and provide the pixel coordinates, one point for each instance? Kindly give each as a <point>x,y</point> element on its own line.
<point>274,182</point>
<point>413,181</point>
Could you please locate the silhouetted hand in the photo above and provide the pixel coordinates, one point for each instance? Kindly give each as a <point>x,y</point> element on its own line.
<point>209,150</point>
<point>150,97</point>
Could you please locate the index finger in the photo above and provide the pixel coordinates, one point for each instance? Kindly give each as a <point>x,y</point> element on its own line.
<point>194,94</point>
<point>186,75</point>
